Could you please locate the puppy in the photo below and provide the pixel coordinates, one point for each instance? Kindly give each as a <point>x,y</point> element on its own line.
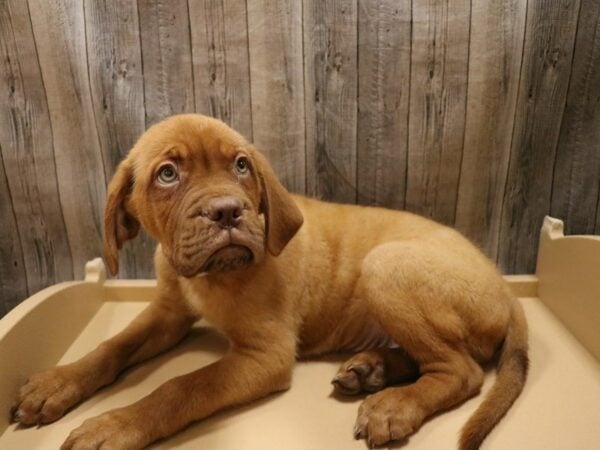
<point>283,275</point>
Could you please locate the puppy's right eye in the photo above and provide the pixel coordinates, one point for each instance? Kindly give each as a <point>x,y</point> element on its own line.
<point>241,164</point>
<point>167,174</point>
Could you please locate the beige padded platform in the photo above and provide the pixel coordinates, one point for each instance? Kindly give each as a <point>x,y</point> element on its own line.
<point>559,408</point>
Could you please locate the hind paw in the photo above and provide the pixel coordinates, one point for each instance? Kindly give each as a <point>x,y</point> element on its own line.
<point>364,372</point>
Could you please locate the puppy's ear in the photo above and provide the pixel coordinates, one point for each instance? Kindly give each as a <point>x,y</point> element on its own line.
<point>282,216</point>
<point>119,224</point>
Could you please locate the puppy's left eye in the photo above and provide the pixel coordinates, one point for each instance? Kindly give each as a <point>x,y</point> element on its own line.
<point>167,174</point>
<point>242,164</point>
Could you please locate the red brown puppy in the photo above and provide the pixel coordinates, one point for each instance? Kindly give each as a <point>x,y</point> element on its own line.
<point>283,275</point>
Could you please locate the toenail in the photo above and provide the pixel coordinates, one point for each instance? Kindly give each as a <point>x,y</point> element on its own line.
<point>17,414</point>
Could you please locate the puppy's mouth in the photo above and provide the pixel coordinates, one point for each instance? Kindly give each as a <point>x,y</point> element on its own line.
<point>204,251</point>
<point>228,258</point>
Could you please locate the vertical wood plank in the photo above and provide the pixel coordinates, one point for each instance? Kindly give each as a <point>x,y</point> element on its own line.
<point>440,53</point>
<point>167,58</point>
<point>117,90</point>
<point>13,278</point>
<point>597,230</point>
<point>496,46</point>
<point>575,187</point>
<point>59,31</point>
<point>219,33</point>
<point>384,38</point>
<point>276,65</point>
<point>28,155</point>
<point>547,57</point>
<point>330,91</point>
<point>116,78</point>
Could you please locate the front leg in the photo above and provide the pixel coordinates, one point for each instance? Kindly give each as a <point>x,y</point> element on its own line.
<point>49,394</point>
<point>240,377</point>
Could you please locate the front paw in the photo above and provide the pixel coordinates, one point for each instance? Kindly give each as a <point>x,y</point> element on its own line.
<point>119,429</point>
<point>47,396</point>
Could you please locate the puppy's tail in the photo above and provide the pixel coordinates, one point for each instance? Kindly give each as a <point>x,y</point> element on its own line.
<point>511,374</point>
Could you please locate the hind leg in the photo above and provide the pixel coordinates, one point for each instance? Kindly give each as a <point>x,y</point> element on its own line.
<point>372,370</point>
<point>396,412</point>
<point>420,300</point>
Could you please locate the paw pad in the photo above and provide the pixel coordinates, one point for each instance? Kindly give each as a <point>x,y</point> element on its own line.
<point>360,376</point>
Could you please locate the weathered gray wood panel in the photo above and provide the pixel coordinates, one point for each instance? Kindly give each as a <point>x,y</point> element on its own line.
<point>384,48</point>
<point>330,93</point>
<point>117,91</point>
<point>28,156</point>
<point>166,58</point>
<point>438,85</point>
<point>484,114</point>
<point>219,33</point>
<point>276,64</point>
<point>547,57</point>
<point>59,31</point>
<point>494,68</point>
<point>13,277</point>
<point>576,178</point>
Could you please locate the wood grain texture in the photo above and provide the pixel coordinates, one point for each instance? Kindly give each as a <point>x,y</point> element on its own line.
<point>330,92</point>
<point>59,31</point>
<point>483,114</point>
<point>28,155</point>
<point>276,64</point>
<point>495,51</point>
<point>13,277</point>
<point>440,55</point>
<point>219,33</point>
<point>166,58</point>
<point>547,58</point>
<point>117,91</point>
<point>384,49</point>
<point>576,178</point>
<point>597,230</point>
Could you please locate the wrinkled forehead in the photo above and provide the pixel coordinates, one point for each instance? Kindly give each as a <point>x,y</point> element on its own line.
<point>191,139</point>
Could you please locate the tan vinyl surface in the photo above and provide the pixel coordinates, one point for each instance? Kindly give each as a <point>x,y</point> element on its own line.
<point>568,269</point>
<point>559,408</point>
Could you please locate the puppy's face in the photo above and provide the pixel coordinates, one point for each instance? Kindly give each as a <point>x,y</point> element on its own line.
<point>204,193</point>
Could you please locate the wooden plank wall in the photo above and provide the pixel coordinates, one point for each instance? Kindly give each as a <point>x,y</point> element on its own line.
<point>546,68</point>
<point>493,81</point>
<point>481,114</point>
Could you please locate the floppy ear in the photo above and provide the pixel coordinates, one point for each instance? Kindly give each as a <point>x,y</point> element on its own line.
<point>119,224</point>
<point>282,216</point>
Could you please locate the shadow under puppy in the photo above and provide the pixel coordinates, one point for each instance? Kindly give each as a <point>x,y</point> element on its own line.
<point>283,275</point>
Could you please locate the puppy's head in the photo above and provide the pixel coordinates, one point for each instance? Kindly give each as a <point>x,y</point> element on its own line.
<point>208,196</point>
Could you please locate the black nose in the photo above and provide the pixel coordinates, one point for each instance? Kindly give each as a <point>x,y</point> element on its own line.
<point>225,211</point>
